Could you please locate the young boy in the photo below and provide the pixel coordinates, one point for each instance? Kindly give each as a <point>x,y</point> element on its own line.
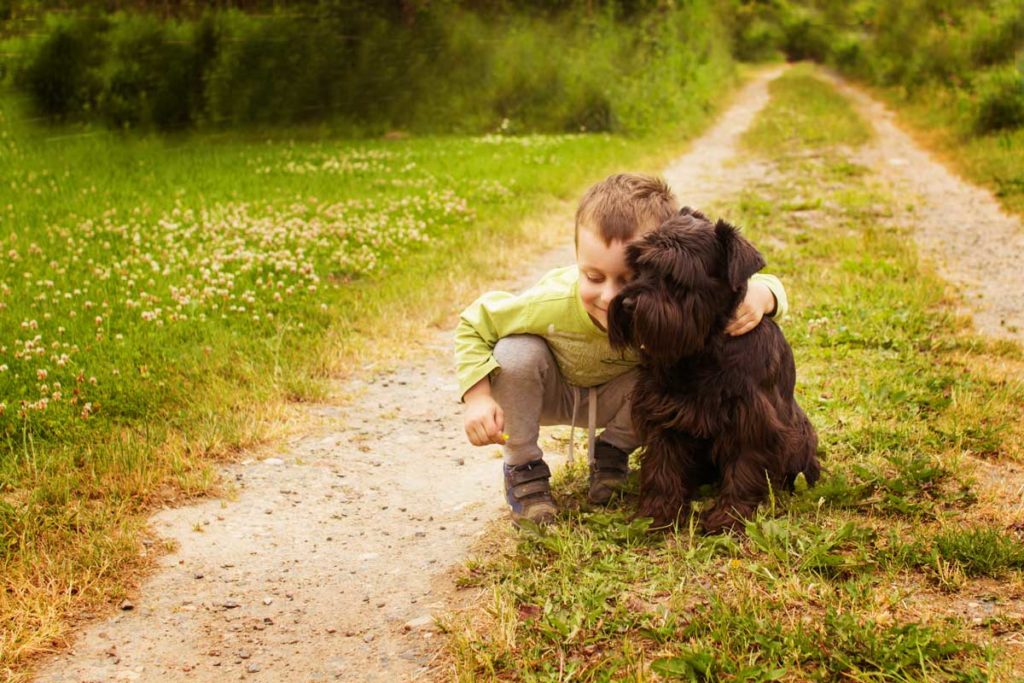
<point>542,357</point>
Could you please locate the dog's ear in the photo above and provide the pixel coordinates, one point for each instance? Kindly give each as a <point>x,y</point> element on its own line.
<point>690,211</point>
<point>741,258</point>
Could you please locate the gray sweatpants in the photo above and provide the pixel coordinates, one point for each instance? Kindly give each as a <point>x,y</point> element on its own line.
<point>532,392</point>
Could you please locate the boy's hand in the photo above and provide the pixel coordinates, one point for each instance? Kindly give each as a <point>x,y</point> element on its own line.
<point>758,303</point>
<point>484,421</point>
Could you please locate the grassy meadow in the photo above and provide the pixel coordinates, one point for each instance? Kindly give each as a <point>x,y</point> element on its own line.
<point>165,298</point>
<point>903,564</point>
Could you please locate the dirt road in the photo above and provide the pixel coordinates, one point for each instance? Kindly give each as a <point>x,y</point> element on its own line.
<point>959,227</point>
<point>326,564</point>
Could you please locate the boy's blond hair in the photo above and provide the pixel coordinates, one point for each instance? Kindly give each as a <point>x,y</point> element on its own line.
<point>626,205</point>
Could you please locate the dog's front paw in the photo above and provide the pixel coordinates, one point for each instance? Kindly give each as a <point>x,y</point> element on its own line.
<point>724,518</point>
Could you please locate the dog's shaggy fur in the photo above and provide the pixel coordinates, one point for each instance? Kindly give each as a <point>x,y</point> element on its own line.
<point>709,407</point>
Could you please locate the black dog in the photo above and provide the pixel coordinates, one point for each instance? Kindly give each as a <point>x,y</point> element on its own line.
<point>708,407</point>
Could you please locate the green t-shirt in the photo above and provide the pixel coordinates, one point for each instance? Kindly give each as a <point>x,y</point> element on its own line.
<point>551,309</point>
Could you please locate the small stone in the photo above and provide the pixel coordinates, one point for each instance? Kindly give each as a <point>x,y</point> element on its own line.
<point>230,604</point>
<point>332,630</point>
<point>253,668</point>
<point>273,461</point>
<point>460,461</point>
<point>198,575</point>
<point>127,605</point>
<point>419,623</point>
<point>368,638</point>
<point>267,601</point>
<point>244,654</point>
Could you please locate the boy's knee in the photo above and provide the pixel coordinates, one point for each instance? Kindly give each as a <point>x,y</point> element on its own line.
<point>523,356</point>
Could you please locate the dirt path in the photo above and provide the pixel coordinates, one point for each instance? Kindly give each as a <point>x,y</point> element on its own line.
<point>326,564</point>
<point>958,226</point>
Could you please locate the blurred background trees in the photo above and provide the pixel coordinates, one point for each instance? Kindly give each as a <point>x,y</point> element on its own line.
<point>477,65</point>
<point>439,66</point>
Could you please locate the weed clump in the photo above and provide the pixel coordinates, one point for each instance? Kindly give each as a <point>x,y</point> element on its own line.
<point>1000,100</point>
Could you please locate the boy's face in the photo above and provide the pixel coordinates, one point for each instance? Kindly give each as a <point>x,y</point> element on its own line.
<point>603,272</point>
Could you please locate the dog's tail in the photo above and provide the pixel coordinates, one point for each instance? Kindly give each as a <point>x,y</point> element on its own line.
<point>808,442</point>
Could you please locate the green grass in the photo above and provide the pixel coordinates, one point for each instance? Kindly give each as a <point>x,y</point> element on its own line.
<point>165,299</point>
<point>861,577</point>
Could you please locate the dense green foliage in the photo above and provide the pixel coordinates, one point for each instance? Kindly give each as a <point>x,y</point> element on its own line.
<point>437,67</point>
<point>973,49</point>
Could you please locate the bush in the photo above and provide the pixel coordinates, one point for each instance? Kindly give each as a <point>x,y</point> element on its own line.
<point>366,65</point>
<point>996,36</point>
<point>755,28</point>
<point>805,35</point>
<point>150,75</point>
<point>259,75</point>
<point>62,77</point>
<point>850,55</point>
<point>758,40</point>
<point>1000,100</point>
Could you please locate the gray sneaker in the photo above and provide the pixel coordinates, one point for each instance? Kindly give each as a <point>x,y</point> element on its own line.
<point>608,472</point>
<point>528,492</point>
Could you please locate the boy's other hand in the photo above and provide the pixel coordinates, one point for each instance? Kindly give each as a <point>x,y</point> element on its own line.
<point>484,421</point>
<point>758,303</point>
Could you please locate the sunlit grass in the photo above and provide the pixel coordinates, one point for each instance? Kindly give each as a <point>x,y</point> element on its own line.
<point>866,575</point>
